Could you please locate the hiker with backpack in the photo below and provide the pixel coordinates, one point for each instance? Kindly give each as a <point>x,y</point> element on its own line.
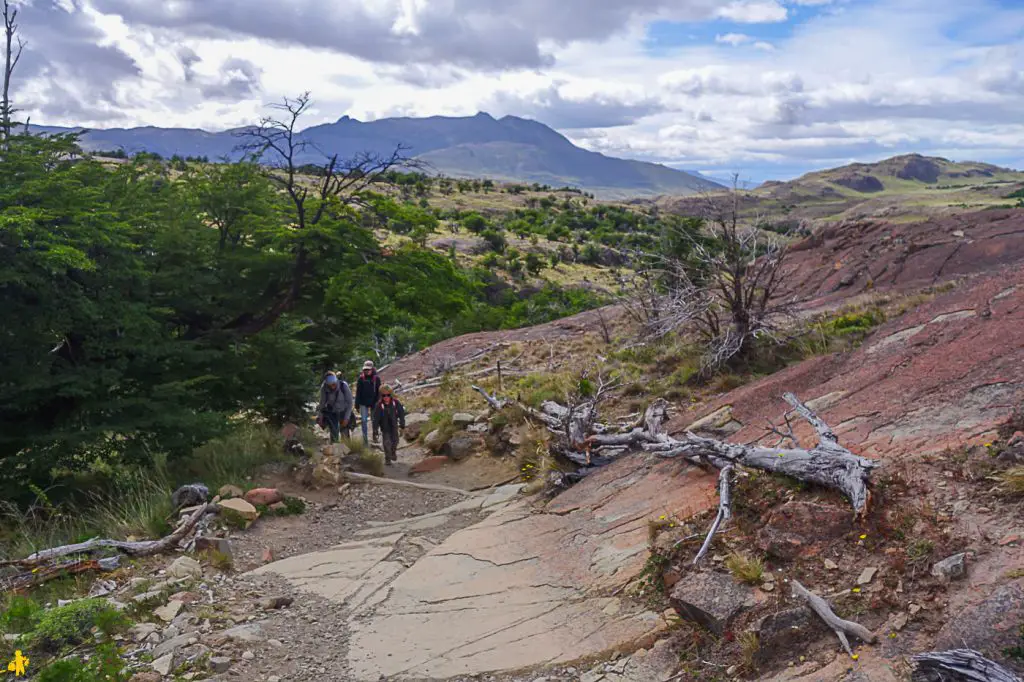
<point>389,422</point>
<point>367,395</point>
<point>335,405</point>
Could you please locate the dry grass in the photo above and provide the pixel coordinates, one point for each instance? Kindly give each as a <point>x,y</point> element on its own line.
<point>1012,481</point>
<point>750,645</point>
<point>748,569</point>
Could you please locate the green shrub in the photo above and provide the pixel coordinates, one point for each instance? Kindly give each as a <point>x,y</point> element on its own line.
<point>20,614</point>
<point>104,665</point>
<point>72,624</point>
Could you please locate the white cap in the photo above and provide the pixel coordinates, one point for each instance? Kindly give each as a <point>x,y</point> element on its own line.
<point>368,364</point>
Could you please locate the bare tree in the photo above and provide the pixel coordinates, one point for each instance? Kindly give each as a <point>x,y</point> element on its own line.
<point>729,289</point>
<point>335,187</point>
<point>12,54</point>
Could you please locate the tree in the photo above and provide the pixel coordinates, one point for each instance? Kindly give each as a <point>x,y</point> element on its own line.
<point>474,222</point>
<point>534,263</point>
<point>320,208</point>
<point>12,54</point>
<point>726,285</point>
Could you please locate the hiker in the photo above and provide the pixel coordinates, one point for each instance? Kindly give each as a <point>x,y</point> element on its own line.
<point>335,404</point>
<point>389,421</point>
<point>348,418</point>
<point>367,395</point>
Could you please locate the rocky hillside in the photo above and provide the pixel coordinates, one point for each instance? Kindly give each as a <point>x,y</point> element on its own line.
<point>904,187</point>
<point>465,564</point>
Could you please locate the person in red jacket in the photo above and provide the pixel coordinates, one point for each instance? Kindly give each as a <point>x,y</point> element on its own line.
<point>389,421</point>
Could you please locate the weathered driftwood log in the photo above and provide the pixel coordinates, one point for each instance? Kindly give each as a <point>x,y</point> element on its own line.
<point>828,464</point>
<point>841,627</point>
<point>959,665</point>
<point>139,548</point>
<point>724,510</point>
<point>38,576</point>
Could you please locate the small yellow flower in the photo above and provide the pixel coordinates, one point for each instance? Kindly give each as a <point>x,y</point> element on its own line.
<point>987,445</point>
<point>855,590</point>
<point>863,537</point>
<point>662,517</point>
<point>855,656</point>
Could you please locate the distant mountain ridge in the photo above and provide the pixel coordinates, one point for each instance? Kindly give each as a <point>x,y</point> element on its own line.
<point>508,149</point>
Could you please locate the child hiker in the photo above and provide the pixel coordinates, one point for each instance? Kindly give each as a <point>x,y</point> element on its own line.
<point>389,421</point>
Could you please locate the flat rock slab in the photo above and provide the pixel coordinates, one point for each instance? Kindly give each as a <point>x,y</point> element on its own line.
<point>522,589</point>
<point>339,573</point>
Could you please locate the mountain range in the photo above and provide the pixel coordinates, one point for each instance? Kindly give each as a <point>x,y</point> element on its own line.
<point>509,149</point>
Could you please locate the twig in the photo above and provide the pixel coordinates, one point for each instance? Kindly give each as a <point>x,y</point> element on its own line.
<point>841,627</point>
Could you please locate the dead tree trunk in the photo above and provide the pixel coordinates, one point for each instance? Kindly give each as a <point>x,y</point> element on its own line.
<point>959,665</point>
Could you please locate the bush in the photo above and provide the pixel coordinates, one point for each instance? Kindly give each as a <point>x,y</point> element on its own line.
<point>104,665</point>
<point>72,624</point>
<point>495,239</point>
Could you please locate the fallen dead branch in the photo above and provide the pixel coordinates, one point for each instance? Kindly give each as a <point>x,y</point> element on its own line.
<point>841,627</point>
<point>724,510</point>
<point>138,548</point>
<point>39,576</point>
<point>964,665</point>
<point>353,477</point>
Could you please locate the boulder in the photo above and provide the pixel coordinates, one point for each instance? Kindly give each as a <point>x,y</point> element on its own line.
<point>786,631</point>
<point>185,567</point>
<point>164,664</point>
<point>711,599</point>
<point>244,633</point>
<point>228,490</point>
<point>172,645</point>
<point>435,440</point>
<point>264,496</point>
<point>190,495</point>
<point>463,419</point>
<point>991,626</point>
<point>168,611</point>
<point>140,631</point>
<point>461,446</point>
<point>220,664</point>
<point>428,464</point>
<point>415,424</point>
<point>211,544</point>
<point>951,568</point>
<point>240,507</point>
<point>803,529</point>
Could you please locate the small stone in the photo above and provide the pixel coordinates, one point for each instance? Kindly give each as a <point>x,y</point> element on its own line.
<point>732,670</point>
<point>141,631</point>
<point>264,496</point>
<point>275,643</point>
<point>273,678</point>
<point>248,655</point>
<point>914,609</point>
<point>267,556</point>
<point>185,567</point>
<point>211,544</point>
<point>1009,539</point>
<point>279,506</point>
<point>168,611</point>
<point>278,602</point>
<point>164,664</point>
<point>244,633</point>
<point>866,576</point>
<point>711,599</point>
<point>831,565</point>
<point>463,419</point>
<point>229,490</point>
<point>951,568</point>
<point>768,587</point>
<point>900,621</point>
<point>146,676</point>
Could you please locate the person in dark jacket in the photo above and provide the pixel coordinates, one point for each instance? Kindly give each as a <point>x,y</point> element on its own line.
<point>335,404</point>
<point>389,421</point>
<point>367,395</point>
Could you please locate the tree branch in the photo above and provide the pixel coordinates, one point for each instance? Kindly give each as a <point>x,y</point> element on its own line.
<point>841,627</point>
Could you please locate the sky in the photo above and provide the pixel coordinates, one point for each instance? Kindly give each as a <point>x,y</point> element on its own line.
<point>768,89</point>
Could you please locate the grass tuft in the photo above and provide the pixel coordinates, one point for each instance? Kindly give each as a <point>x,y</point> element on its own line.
<point>1012,481</point>
<point>748,569</point>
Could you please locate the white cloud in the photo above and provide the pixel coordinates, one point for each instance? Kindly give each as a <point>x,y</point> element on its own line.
<point>850,80</point>
<point>734,39</point>
<point>753,11</point>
